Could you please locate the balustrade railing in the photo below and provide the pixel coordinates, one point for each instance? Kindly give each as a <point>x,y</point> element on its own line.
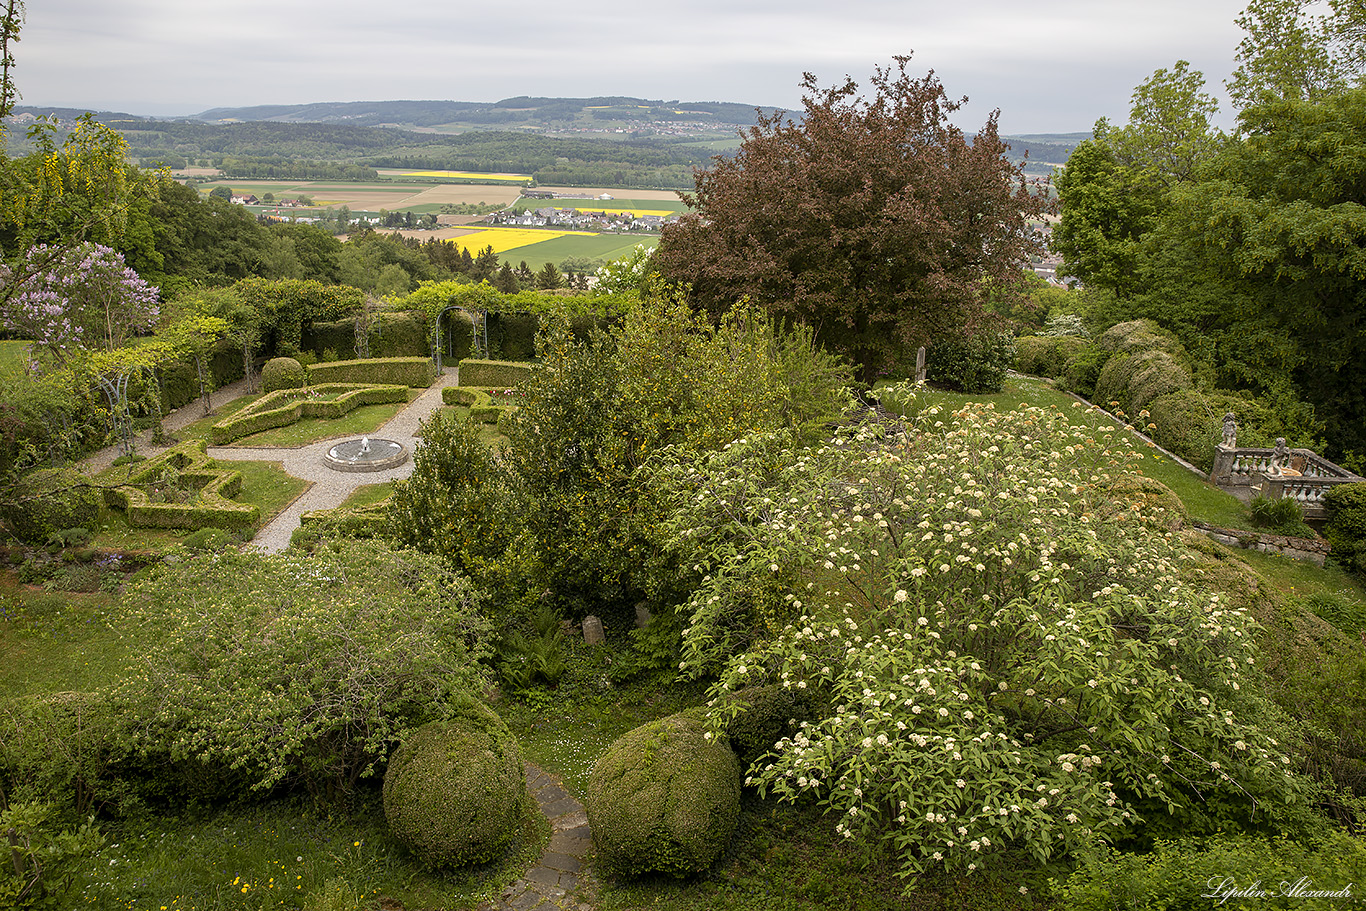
<point>1313,476</point>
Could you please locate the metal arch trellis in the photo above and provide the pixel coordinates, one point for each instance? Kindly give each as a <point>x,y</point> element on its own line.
<point>115,390</point>
<point>479,320</point>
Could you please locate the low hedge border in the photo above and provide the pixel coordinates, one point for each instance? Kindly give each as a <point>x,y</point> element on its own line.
<point>465,395</point>
<point>350,521</point>
<point>494,374</point>
<point>479,400</point>
<point>214,509</point>
<point>285,406</point>
<point>414,372</point>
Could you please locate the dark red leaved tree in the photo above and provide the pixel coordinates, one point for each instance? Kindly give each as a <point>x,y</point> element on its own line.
<point>875,221</point>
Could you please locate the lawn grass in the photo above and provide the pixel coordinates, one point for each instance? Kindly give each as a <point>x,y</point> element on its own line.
<point>368,495</point>
<point>282,854</point>
<point>488,434</point>
<point>52,642</point>
<point>13,356</point>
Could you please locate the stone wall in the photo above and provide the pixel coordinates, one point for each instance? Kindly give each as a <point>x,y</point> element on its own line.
<point>1314,550</point>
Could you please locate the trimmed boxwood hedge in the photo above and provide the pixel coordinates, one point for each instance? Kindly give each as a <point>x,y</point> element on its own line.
<point>285,406</point>
<point>468,396</point>
<point>482,407</point>
<point>344,521</point>
<point>494,374</point>
<point>416,372</point>
<point>213,508</point>
<point>664,798</point>
<point>455,791</point>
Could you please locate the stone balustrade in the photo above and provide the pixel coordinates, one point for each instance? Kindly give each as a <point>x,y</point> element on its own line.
<point>1253,469</point>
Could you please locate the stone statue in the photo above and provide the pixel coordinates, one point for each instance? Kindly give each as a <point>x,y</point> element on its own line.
<point>1230,431</point>
<point>1280,458</point>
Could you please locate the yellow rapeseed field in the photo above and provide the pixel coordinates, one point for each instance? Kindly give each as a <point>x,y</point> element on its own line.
<point>467,175</point>
<point>504,239</point>
<point>636,212</point>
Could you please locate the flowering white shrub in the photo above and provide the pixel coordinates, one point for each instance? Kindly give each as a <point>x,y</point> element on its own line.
<point>1011,657</point>
<point>627,273</point>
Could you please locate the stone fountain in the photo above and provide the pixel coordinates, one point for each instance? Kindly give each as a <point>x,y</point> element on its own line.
<point>365,454</point>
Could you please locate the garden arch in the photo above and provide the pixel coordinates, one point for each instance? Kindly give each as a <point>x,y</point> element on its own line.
<point>479,320</point>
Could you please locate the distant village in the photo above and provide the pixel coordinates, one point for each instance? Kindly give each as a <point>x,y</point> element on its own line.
<point>566,218</point>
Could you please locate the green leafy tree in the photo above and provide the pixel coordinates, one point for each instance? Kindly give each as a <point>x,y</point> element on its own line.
<point>1114,187</point>
<point>875,221</point>
<point>1293,53</point>
<point>1169,132</point>
<point>301,667</point>
<point>1103,223</point>
<point>1278,221</point>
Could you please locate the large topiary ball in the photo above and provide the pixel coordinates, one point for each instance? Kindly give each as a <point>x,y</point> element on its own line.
<point>49,501</point>
<point>664,798</point>
<point>455,791</point>
<point>283,373</point>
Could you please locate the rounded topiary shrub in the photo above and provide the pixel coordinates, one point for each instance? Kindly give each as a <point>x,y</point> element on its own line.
<point>283,373</point>
<point>663,799</point>
<point>1040,355</point>
<point>49,501</point>
<point>455,791</point>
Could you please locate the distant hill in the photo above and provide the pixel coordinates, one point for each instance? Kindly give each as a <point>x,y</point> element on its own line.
<point>605,141</point>
<point>522,113</point>
<point>1049,148</point>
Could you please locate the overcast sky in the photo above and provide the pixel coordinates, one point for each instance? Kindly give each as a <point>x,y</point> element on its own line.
<point>1049,65</point>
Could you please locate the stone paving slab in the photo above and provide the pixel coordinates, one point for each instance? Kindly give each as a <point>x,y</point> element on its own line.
<point>551,883</point>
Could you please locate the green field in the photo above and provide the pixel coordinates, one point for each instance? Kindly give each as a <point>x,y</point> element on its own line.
<point>596,246</point>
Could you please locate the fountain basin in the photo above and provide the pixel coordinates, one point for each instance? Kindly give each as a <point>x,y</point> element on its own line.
<point>365,454</point>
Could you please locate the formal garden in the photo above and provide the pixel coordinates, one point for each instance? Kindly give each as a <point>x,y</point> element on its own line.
<point>920,648</point>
